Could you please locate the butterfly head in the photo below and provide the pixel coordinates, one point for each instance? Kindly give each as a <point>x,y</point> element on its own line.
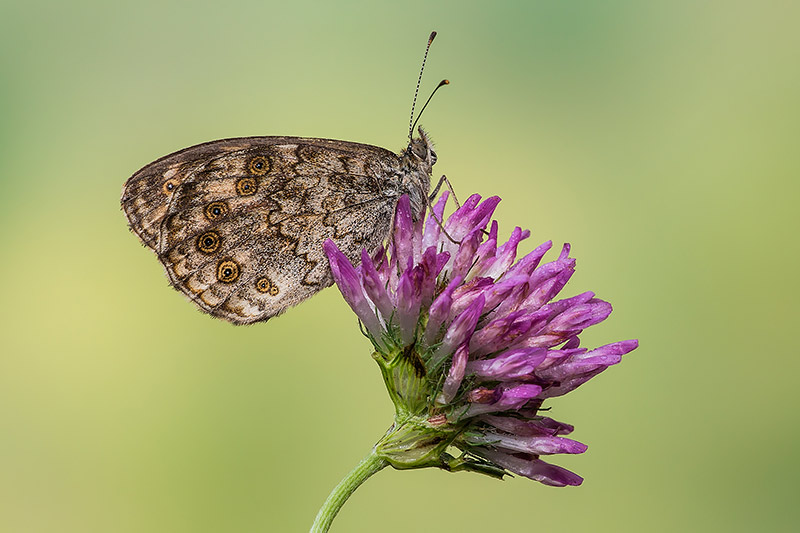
<point>417,163</point>
<point>420,152</point>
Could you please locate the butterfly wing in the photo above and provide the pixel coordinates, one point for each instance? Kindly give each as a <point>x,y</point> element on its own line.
<point>239,223</point>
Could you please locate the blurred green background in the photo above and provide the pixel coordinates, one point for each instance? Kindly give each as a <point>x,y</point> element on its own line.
<point>659,138</point>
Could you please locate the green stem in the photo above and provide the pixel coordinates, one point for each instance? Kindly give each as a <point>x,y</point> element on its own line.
<point>369,465</point>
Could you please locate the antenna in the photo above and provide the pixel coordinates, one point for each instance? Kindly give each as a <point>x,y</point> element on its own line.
<point>419,80</point>
<point>441,84</point>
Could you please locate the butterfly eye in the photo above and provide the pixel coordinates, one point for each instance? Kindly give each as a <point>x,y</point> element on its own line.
<point>433,157</point>
<point>216,210</point>
<point>169,186</point>
<point>209,242</point>
<point>246,186</point>
<point>227,271</point>
<point>259,165</point>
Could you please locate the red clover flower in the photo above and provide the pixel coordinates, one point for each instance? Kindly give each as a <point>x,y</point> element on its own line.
<point>471,343</point>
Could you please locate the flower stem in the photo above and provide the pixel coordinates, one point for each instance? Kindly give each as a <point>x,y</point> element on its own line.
<point>369,465</point>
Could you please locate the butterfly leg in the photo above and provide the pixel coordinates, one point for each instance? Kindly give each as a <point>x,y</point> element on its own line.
<point>444,180</point>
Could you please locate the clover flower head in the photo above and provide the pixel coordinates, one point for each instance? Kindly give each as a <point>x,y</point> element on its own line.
<point>471,342</point>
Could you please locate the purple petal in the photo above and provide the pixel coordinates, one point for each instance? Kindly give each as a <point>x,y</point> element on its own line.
<point>483,213</point>
<point>512,301</point>
<point>509,365</point>
<point>569,384</point>
<point>506,253</point>
<point>540,335</point>
<point>466,293</point>
<point>460,330</point>
<point>534,426</point>
<point>440,310</point>
<point>580,317</point>
<point>532,468</point>
<point>470,216</point>
<point>430,266</point>
<point>578,369</point>
<point>416,238</point>
<point>587,362</point>
<point>537,445</point>
<point>390,273</point>
<point>500,333</point>
<point>408,304</point>
<point>454,376</point>
<point>572,343</point>
<point>555,357</point>
<point>403,231</point>
<point>498,292</point>
<point>546,290</point>
<point>381,262</point>
<point>374,286</point>
<point>459,224</point>
<point>485,256</point>
<point>552,475</point>
<point>350,286</point>
<point>610,354</point>
<point>519,395</point>
<point>465,255</point>
<point>511,398</point>
<point>550,270</point>
<point>433,226</point>
<point>528,264</point>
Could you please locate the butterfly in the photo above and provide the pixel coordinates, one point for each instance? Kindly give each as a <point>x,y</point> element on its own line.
<point>238,224</point>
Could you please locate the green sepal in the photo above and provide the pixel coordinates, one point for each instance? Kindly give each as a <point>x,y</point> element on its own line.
<point>470,464</point>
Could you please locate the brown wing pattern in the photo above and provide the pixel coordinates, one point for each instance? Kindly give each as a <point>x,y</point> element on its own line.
<point>239,224</point>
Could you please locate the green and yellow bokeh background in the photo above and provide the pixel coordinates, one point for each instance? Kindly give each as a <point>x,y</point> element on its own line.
<point>659,138</point>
